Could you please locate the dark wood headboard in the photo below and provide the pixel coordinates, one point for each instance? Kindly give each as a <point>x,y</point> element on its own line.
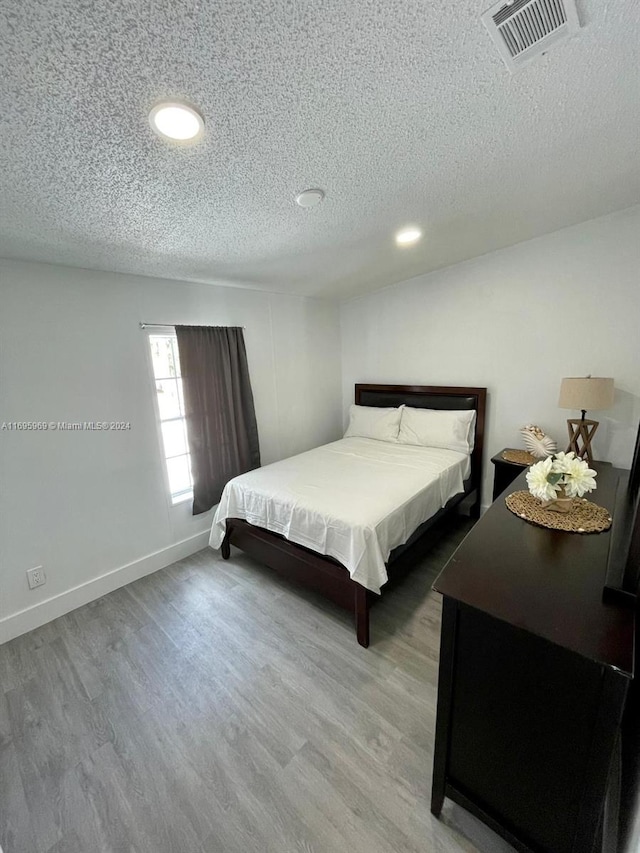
<point>433,397</point>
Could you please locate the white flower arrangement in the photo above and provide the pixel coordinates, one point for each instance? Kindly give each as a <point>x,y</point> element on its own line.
<point>561,472</point>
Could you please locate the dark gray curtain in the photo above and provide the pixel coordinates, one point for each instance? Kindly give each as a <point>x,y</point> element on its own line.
<point>218,401</point>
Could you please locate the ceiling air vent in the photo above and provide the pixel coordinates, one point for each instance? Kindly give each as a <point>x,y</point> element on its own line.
<point>523,29</point>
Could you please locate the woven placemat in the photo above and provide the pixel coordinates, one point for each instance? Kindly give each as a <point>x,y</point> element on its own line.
<point>520,457</point>
<point>583,517</point>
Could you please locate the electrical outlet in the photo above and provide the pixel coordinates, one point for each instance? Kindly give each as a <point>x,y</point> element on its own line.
<point>36,577</point>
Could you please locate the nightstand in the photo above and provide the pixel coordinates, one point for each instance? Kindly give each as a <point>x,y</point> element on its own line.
<point>505,471</point>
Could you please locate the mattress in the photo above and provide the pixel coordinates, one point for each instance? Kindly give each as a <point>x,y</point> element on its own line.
<point>354,500</point>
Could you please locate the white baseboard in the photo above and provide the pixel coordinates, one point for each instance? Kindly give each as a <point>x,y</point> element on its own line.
<point>39,614</point>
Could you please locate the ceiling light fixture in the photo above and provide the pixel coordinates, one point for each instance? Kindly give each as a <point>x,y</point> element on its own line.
<point>309,198</point>
<point>176,121</point>
<point>408,236</point>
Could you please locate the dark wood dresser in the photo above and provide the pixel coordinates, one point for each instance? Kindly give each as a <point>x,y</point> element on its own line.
<point>535,671</point>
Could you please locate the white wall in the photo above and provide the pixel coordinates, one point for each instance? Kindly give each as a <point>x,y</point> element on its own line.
<point>515,321</point>
<point>87,504</point>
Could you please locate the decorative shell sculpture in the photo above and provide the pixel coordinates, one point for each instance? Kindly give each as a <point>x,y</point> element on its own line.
<point>537,443</point>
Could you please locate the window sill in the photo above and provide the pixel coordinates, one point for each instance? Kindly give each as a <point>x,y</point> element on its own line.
<point>180,499</point>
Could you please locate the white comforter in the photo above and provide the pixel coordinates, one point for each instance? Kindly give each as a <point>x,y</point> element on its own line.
<point>354,500</point>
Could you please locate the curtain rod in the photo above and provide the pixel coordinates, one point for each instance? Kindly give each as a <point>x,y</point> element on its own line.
<point>171,326</point>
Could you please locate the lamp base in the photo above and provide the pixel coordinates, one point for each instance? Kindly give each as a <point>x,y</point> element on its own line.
<point>581,432</point>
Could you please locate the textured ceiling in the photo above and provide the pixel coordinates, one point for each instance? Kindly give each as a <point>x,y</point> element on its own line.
<point>402,112</point>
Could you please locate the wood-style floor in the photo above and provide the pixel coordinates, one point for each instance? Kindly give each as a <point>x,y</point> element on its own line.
<point>212,708</point>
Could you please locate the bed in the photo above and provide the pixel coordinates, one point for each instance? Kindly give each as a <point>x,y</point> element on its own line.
<point>344,518</point>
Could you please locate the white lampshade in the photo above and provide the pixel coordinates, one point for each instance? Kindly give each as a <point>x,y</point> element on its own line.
<point>587,393</point>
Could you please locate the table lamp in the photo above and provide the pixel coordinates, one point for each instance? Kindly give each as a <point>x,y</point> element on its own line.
<point>584,393</point>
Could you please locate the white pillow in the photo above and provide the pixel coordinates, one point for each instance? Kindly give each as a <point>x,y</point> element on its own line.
<point>450,430</point>
<point>371,422</point>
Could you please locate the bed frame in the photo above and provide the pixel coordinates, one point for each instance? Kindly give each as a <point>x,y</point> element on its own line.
<point>325,574</point>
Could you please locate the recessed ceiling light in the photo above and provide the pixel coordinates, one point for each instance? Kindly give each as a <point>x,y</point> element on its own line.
<point>407,236</point>
<point>177,121</point>
<point>309,198</point>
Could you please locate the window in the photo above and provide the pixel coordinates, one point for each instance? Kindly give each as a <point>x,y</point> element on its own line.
<point>166,370</point>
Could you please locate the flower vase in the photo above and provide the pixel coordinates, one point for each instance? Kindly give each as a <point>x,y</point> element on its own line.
<point>561,502</point>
